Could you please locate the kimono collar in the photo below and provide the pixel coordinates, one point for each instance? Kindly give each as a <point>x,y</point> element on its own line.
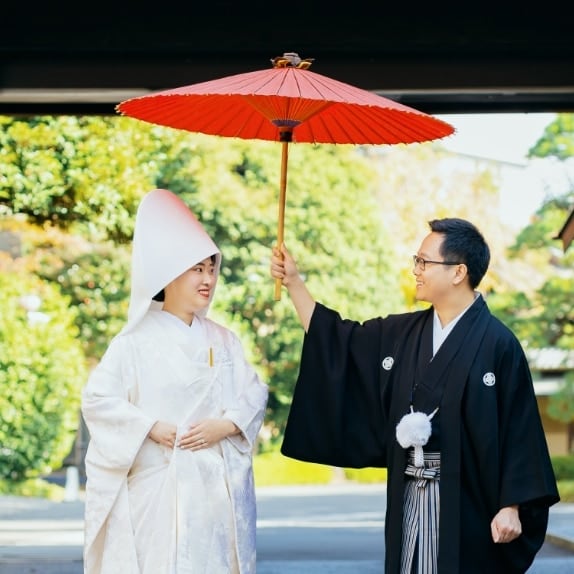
<point>440,333</point>
<point>193,332</point>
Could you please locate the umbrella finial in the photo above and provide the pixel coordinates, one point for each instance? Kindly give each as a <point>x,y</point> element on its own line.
<point>291,60</point>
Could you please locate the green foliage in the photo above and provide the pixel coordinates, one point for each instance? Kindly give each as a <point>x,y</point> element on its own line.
<point>366,475</point>
<point>557,140</point>
<point>35,487</point>
<point>561,406</point>
<point>80,173</point>
<point>274,469</point>
<point>541,233</point>
<point>544,317</point>
<point>95,277</point>
<point>563,467</point>
<point>564,471</point>
<point>96,280</point>
<point>511,308</point>
<point>556,318</point>
<point>541,319</point>
<point>566,490</point>
<point>42,369</point>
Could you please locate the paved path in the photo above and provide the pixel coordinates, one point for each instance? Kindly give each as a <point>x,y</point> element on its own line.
<point>42,537</point>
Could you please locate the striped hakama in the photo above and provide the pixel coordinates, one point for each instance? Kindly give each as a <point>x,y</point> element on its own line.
<point>421,516</point>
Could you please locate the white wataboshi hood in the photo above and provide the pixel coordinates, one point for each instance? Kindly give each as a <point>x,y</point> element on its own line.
<point>168,240</point>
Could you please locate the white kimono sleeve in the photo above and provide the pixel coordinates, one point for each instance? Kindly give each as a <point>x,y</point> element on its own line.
<point>247,409</point>
<point>117,428</point>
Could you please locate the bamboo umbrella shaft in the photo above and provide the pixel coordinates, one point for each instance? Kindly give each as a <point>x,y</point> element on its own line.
<point>281,219</point>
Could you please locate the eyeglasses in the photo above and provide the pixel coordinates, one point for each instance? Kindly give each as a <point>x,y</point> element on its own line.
<point>421,263</point>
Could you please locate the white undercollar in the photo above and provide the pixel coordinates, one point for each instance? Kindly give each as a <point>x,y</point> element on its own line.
<point>440,333</point>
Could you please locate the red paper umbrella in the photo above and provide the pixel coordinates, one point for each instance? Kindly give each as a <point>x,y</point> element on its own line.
<point>286,103</point>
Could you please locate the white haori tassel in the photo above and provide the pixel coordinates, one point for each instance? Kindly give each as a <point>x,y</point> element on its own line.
<point>414,429</point>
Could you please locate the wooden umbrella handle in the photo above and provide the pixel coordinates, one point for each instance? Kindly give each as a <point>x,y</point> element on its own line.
<point>281,219</point>
<point>278,286</point>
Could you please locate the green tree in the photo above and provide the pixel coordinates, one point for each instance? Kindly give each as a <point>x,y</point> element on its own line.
<point>544,316</point>
<point>557,141</point>
<point>96,278</point>
<point>83,174</point>
<point>42,370</point>
<point>94,275</point>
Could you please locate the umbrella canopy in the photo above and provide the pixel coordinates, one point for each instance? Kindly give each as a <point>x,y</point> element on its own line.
<point>286,103</point>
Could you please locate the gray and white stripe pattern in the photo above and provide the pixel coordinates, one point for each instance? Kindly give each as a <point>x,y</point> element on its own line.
<point>421,516</point>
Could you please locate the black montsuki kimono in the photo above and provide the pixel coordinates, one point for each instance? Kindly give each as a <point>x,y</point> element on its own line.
<point>356,382</point>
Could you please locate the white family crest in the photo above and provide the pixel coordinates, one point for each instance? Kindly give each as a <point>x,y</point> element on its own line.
<point>489,379</point>
<point>387,363</point>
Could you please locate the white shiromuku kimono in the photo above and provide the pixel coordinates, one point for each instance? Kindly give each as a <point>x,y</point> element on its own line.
<point>152,509</point>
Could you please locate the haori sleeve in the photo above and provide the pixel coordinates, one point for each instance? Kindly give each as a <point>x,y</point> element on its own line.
<point>526,475</point>
<point>336,412</point>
